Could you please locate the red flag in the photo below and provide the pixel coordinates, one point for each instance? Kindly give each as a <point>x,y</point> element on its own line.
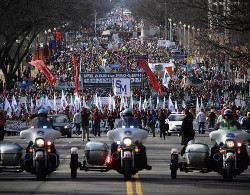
<point>39,64</point>
<point>151,75</point>
<point>76,75</point>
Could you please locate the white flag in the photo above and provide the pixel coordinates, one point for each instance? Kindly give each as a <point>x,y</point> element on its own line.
<point>140,104</point>
<point>84,105</point>
<point>38,103</point>
<point>63,101</point>
<point>166,79</point>
<point>7,107</point>
<point>164,103</point>
<point>14,104</point>
<point>96,100</point>
<point>110,103</point>
<point>32,110</point>
<point>54,102</point>
<point>71,107</point>
<point>48,104</point>
<point>183,104</point>
<point>125,102</point>
<point>144,106</point>
<point>150,104</point>
<point>131,105</point>
<point>77,103</point>
<point>175,106</point>
<point>26,108</point>
<point>122,103</point>
<point>157,102</point>
<point>197,106</point>
<point>202,106</point>
<point>99,103</point>
<point>44,103</point>
<point>170,104</point>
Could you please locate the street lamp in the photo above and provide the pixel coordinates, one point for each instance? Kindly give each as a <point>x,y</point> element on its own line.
<point>45,32</point>
<point>170,28</point>
<point>188,37</point>
<point>179,29</point>
<point>198,33</point>
<point>18,41</point>
<point>95,22</point>
<point>184,37</point>
<point>165,26</point>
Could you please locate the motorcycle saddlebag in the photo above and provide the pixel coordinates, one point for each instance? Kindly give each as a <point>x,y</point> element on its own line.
<point>96,153</point>
<point>197,154</point>
<point>10,154</point>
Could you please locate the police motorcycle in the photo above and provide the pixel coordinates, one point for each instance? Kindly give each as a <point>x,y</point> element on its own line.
<point>41,157</point>
<point>127,157</point>
<point>228,157</point>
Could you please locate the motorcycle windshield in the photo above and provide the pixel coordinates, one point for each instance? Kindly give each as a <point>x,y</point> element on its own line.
<point>236,135</point>
<point>128,127</point>
<point>128,122</point>
<point>41,122</point>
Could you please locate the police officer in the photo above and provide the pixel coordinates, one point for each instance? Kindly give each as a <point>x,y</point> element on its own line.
<point>40,119</point>
<point>128,119</point>
<point>228,122</point>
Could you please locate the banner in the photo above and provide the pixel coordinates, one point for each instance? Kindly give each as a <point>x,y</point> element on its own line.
<point>103,100</point>
<point>160,66</point>
<point>39,64</point>
<point>151,75</point>
<point>122,87</point>
<point>67,85</point>
<point>21,85</point>
<point>115,66</point>
<point>15,126</point>
<point>105,80</point>
<point>162,43</point>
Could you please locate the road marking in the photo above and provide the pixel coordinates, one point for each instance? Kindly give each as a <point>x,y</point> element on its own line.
<point>129,187</point>
<point>138,184</point>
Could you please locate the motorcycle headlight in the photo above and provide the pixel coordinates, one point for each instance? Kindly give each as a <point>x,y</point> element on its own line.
<point>127,142</point>
<point>66,127</point>
<point>40,143</point>
<point>230,143</point>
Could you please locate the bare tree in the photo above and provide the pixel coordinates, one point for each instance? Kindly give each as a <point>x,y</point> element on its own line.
<point>23,20</point>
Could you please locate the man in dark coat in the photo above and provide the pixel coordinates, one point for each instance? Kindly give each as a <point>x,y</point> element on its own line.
<point>96,119</point>
<point>187,132</point>
<point>85,117</point>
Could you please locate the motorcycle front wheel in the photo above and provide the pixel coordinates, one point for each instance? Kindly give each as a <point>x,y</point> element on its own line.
<point>73,165</point>
<point>40,170</point>
<point>174,166</point>
<point>228,172</point>
<point>127,169</point>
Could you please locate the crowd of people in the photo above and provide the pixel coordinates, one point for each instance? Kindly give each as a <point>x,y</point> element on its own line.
<point>215,85</point>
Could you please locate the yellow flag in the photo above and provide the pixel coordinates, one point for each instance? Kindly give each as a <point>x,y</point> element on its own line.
<point>189,60</point>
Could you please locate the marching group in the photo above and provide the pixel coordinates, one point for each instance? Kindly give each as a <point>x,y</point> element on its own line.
<point>214,84</point>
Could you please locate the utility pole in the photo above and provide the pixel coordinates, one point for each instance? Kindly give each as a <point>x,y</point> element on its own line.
<point>95,22</point>
<point>122,21</point>
<point>165,26</point>
<point>170,29</point>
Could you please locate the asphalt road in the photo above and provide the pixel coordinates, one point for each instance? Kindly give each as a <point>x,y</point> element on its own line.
<point>156,181</point>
